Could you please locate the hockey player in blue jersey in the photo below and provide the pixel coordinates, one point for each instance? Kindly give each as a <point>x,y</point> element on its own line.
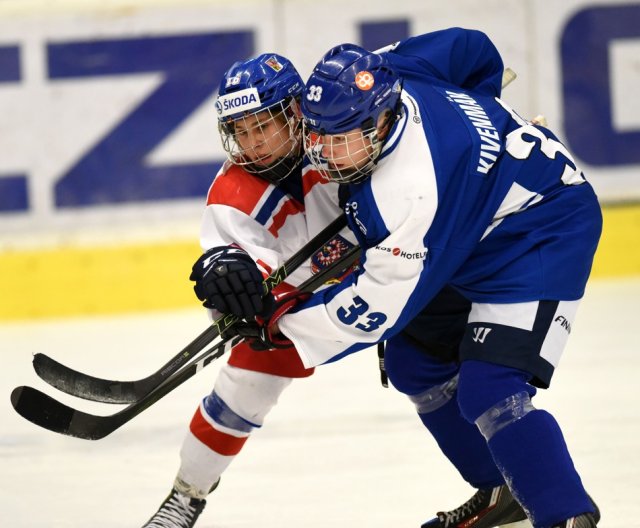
<point>446,185</point>
<point>256,202</point>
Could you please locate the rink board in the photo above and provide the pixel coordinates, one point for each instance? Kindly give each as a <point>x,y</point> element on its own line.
<point>88,144</point>
<point>132,278</point>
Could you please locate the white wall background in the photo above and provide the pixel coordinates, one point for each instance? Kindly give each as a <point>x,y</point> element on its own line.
<point>47,125</point>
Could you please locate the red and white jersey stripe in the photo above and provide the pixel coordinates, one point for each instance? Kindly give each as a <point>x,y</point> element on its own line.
<point>268,223</point>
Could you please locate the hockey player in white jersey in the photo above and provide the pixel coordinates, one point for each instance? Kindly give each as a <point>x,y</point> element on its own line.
<point>254,220</point>
<point>448,186</point>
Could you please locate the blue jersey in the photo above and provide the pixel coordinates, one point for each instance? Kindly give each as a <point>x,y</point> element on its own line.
<point>465,193</point>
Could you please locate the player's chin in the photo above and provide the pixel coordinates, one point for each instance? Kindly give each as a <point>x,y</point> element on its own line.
<point>338,167</point>
<point>263,162</point>
<point>343,169</point>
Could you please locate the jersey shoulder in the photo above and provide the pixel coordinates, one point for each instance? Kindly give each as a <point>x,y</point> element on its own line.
<point>311,177</point>
<point>235,187</point>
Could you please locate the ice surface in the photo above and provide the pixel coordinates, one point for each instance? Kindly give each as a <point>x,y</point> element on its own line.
<point>338,451</point>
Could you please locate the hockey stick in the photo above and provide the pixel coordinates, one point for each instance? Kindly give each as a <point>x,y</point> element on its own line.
<point>508,76</point>
<point>92,388</point>
<point>46,412</point>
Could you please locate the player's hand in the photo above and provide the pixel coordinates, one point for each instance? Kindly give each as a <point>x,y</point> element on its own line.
<point>269,335</point>
<point>257,336</point>
<point>228,280</point>
<point>539,120</point>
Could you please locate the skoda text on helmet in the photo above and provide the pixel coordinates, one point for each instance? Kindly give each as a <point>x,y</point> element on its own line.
<point>350,88</point>
<point>259,117</point>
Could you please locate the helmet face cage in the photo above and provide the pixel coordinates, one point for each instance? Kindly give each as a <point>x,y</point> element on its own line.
<point>343,158</point>
<point>259,116</point>
<point>349,93</point>
<point>265,142</point>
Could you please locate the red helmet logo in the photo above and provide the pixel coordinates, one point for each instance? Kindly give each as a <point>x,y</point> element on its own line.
<point>364,80</point>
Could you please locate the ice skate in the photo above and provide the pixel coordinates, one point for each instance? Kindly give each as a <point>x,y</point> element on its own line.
<point>488,508</point>
<point>586,520</point>
<point>177,511</point>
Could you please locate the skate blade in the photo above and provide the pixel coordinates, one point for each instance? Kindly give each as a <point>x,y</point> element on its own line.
<point>517,524</point>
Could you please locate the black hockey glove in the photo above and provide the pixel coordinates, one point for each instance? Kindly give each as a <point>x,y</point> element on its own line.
<point>228,280</point>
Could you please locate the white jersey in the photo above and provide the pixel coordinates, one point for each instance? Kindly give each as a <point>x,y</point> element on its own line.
<point>269,221</point>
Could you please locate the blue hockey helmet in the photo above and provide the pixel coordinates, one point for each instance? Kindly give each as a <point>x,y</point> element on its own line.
<point>350,88</point>
<point>258,95</point>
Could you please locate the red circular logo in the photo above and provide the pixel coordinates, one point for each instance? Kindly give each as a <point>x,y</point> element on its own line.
<point>396,251</point>
<point>364,80</point>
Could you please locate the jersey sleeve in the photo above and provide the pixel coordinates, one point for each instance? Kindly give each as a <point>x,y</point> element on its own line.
<point>223,225</point>
<point>375,303</point>
<point>462,57</point>
<point>248,211</point>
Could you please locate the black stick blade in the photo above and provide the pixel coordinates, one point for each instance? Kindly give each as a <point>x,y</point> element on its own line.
<point>55,416</point>
<point>46,412</point>
<point>50,414</point>
<point>86,386</point>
